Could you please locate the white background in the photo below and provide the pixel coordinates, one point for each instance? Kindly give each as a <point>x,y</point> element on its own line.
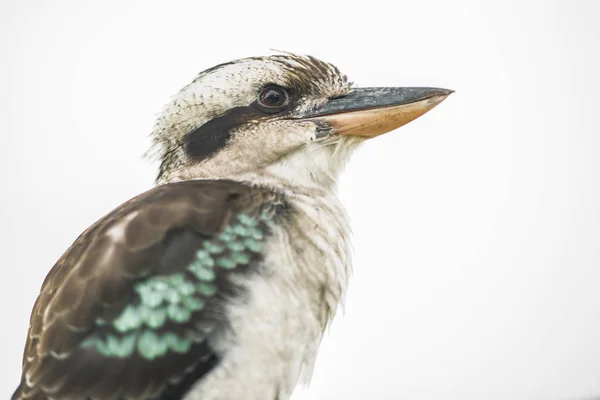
<point>477,227</point>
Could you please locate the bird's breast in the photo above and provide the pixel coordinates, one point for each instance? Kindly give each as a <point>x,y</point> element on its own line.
<point>274,333</point>
<point>316,251</point>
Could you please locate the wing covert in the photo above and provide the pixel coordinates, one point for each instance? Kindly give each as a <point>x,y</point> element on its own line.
<point>127,310</point>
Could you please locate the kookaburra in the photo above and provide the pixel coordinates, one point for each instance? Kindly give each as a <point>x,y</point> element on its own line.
<point>218,283</point>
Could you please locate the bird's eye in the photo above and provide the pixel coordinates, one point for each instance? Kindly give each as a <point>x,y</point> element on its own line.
<point>273,98</point>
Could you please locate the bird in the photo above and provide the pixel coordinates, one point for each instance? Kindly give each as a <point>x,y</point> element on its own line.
<point>219,282</point>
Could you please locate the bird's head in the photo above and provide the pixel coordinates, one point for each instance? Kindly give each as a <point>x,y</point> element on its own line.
<point>287,119</point>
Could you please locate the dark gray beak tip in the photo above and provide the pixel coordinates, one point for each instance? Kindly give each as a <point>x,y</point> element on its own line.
<point>439,92</point>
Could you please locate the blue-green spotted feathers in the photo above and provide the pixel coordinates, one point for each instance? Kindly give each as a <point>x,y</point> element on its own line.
<point>166,312</point>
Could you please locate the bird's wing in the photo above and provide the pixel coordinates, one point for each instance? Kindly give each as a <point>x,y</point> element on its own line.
<point>126,311</point>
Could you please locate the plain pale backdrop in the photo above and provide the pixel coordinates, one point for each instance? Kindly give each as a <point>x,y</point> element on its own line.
<point>477,227</point>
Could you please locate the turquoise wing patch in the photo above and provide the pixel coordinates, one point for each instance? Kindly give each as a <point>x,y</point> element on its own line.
<point>161,317</point>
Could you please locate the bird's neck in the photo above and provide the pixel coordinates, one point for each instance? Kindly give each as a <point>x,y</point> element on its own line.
<point>312,170</point>
<point>300,172</point>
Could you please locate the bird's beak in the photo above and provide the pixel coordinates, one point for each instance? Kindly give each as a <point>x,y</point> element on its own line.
<point>370,112</point>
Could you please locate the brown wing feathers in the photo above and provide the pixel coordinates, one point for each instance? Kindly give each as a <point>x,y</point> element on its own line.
<point>125,311</point>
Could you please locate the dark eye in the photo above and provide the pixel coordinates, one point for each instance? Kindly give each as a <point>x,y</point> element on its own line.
<point>273,98</point>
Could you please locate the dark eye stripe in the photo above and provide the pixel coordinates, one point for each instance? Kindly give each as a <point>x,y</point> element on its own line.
<point>206,140</point>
